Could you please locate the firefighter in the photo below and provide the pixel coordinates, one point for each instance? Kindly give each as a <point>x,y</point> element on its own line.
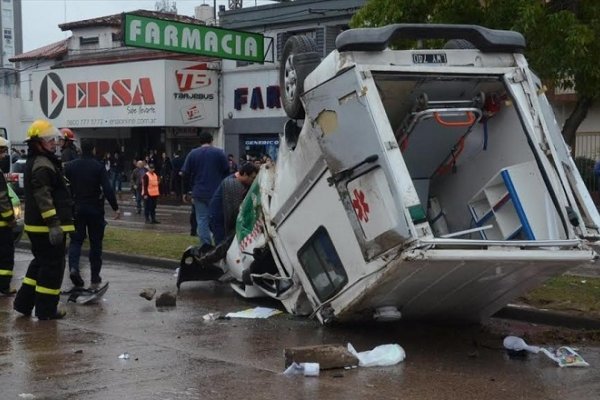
<point>68,151</point>
<point>7,223</point>
<point>48,216</point>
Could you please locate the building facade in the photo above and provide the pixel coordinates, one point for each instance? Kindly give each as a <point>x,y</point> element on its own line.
<point>12,31</point>
<point>253,118</point>
<point>127,100</point>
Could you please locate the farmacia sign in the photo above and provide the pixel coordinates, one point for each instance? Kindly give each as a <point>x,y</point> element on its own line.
<point>153,33</point>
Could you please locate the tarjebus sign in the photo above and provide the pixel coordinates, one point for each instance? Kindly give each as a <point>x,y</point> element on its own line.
<point>153,33</point>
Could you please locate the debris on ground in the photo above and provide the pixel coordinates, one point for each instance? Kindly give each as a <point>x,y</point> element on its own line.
<point>213,316</point>
<point>564,356</point>
<point>306,369</point>
<point>166,299</point>
<point>124,356</point>
<point>257,312</point>
<point>148,293</point>
<point>328,356</point>
<point>381,356</point>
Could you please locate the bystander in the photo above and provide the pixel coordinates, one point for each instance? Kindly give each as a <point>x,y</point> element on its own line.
<point>203,170</point>
<point>89,187</point>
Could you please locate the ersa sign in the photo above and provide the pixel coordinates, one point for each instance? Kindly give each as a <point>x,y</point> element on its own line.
<point>59,97</point>
<point>147,93</point>
<point>179,37</point>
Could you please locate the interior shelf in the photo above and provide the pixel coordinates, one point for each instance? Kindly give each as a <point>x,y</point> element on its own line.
<point>505,203</point>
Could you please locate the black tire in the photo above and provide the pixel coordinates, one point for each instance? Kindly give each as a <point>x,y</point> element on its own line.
<point>299,58</point>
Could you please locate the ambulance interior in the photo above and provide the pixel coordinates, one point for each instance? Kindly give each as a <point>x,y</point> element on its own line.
<point>469,157</point>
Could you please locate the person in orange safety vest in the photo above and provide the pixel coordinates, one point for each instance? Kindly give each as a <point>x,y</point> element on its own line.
<point>150,192</point>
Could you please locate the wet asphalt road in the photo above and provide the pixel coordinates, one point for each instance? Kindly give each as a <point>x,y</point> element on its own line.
<point>175,354</point>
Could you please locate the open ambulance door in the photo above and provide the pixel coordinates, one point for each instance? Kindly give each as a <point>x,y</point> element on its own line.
<point>359,151</point>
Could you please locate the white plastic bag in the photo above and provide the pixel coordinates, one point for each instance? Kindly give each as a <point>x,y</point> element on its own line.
<point>515,343</point>
<point>381,356</point>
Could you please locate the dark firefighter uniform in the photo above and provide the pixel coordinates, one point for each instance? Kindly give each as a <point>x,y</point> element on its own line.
<point>7,245</point>
<point>48,215</point>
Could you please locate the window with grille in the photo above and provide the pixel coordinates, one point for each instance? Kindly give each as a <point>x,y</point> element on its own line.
<point>322,265</point>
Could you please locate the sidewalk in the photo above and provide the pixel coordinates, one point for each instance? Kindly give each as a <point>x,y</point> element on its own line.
<point>125,197</point>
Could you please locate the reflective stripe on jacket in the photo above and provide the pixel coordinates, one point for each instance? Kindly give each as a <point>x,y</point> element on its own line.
<point>6,208</point>
<point>47,197</point>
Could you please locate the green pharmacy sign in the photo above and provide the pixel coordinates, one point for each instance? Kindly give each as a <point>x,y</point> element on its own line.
<point>159,34</point>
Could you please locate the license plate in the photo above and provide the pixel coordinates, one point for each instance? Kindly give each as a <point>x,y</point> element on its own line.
<point>431,58</point>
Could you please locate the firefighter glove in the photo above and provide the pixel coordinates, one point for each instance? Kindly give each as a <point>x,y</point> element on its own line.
<point>56,235</point>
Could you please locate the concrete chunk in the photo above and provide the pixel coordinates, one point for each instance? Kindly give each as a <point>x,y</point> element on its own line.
<point>329,356</point>
<point>166,299</point>
<point>148,293</point>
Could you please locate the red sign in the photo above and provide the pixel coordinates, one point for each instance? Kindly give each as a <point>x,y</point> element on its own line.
<point>361,207</point>
<point>192,77</point>
<point>121,92</point>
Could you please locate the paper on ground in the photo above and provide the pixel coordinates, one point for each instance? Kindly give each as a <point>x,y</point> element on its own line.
<point>257,312</point>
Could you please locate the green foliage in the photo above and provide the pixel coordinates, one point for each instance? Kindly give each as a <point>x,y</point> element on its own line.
<point>567,293</point>
<point>147,242</point>
<point>563,37</point>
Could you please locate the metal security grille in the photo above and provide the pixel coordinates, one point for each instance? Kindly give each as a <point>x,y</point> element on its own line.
<point>587,152</point>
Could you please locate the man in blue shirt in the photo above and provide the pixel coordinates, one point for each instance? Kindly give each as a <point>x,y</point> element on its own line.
<point>203,170</point>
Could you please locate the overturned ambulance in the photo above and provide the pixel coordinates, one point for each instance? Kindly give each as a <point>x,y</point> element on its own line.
<point>414,184</point>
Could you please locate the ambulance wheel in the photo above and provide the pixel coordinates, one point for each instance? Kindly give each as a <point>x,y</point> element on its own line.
<point>300,57</point>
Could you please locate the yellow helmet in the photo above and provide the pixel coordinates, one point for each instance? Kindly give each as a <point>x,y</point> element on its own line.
<point>4,142</point>
<point>42,129</point>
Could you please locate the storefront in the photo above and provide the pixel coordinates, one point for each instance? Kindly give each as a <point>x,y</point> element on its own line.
<point>253,116</point>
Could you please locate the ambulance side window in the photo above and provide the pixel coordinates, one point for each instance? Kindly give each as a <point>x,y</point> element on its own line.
<point>322,265</point>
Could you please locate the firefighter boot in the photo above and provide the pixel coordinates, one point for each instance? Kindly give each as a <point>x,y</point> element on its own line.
<point>25,299</point>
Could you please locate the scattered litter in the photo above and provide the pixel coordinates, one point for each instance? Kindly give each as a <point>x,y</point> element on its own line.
<point>26,396</point>
<point>381,356</point>
<point>257,312</point>
<point>127,214</point>
<point>516,346</point>
<point>213,316</point>
<point>306,369</point>
<point>564,356</point>
<point>148,293</point>
<point>124,356</point>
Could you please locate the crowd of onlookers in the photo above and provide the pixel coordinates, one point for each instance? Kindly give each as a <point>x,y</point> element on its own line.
<point>65,191</point>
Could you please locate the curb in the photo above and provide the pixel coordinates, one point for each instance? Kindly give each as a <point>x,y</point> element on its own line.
<point>125,258</point>
<point>547,317</point>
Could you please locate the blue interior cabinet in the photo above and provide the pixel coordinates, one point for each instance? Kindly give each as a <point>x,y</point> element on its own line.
<point>515,204</point>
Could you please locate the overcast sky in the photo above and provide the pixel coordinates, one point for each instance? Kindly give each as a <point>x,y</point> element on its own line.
<point>41,17</point>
